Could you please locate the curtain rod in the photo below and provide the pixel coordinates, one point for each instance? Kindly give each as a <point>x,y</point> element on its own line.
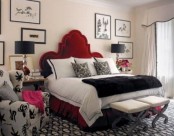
<point>157,22</point>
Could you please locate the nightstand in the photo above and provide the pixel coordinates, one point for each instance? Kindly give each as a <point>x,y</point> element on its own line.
<point>37,83</point>
<point>126,72</point>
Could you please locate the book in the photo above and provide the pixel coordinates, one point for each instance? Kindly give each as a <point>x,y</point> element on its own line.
<point>35,74</point>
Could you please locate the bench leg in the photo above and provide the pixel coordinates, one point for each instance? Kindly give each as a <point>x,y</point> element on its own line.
<point>116,121</point>
<point>160,114</point>
<point>137,121</point>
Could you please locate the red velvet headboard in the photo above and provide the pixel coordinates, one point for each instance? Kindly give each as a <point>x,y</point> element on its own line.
<point>73,44</point>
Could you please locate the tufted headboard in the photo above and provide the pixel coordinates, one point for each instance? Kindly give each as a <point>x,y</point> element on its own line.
<point>73,44</point>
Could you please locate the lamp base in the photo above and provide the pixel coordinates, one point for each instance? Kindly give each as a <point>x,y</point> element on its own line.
<point>26,70</point>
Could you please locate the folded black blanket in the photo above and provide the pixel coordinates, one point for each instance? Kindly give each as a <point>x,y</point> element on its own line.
<point>122,84</point>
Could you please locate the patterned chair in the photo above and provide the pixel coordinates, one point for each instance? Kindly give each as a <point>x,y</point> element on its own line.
<point>17,117</point>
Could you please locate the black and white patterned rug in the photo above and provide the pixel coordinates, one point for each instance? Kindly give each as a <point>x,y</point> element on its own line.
<point>60,127</point>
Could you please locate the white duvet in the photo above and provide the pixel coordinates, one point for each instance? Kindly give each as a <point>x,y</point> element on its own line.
<point>77,93</point>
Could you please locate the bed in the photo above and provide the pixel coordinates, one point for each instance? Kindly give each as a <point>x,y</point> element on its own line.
<point>75,100</point>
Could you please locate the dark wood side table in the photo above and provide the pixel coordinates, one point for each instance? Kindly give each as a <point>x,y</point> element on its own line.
<point>35,82</point>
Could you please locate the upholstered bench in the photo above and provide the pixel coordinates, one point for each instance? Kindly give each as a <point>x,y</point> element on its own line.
<point>128,107</point>
<point>155,101</point>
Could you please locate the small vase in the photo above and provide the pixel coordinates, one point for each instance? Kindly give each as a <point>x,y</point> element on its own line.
<point>123,69</point>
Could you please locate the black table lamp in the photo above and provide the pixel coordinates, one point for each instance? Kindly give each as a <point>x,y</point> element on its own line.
<point>117,48</point>
<point>24,48</point>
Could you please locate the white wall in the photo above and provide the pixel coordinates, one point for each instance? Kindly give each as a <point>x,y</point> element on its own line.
<point>159,11</point>
<point>59,17</point>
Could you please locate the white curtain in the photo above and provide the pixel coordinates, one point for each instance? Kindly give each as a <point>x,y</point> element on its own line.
<point>149,54</point>
<point>165,56</point>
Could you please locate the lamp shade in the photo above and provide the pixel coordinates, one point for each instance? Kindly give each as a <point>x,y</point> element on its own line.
<point>24,47</point>
<point>117,48</point>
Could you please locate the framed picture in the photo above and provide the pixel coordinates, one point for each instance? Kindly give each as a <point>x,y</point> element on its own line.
<point>128,53</point>
<point>35,35</point>
<point>122,28</point>
<point>2,52</point>
<point>102,26</point>
<point>25,11</point>
<point>16,62</point>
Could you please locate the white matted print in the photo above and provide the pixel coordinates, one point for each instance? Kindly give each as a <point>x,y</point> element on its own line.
<point>26,11</point>
<point>128,50</point>
<point>35,35</point>
<point>122,28</point>
<point>16,62</point>
<point>2,52</point>
<point>102,26</point>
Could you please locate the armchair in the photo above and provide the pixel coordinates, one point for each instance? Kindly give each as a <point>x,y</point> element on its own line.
<point>20,118</point>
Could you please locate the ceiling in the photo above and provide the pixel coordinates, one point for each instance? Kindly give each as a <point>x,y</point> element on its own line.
<point>129,3</point>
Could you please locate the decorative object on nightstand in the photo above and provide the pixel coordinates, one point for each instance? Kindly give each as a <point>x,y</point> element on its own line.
<point>36,74</point>
<point>117,48</point>
<point>124,66</point>
<point>24,47</point>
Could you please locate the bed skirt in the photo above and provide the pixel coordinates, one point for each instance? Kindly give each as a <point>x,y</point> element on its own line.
<point>71,113</point>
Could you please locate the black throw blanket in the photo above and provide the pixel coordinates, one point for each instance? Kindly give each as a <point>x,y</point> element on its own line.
<point>122,84</point>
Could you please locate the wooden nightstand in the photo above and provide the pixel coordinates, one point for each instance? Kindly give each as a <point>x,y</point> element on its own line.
<point>37,83</point>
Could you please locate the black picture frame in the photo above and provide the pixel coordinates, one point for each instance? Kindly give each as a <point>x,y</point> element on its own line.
<point>128,53</point>
<point>25,11</point>
<point>122,28</point>
<point>38,36</point>
<point>2,52</point>
<point>102,26</point>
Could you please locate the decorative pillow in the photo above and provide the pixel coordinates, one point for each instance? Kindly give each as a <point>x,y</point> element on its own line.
<point>17,78</point>
<point>81,70</point>
<point>102,68</point>
<point>7,93</point>
<point>111,64</point>
<point>90,62</point>
<point>62,67</point>
<point>4,76</point>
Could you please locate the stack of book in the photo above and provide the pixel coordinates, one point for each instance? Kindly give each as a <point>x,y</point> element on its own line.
<point>36,75</point>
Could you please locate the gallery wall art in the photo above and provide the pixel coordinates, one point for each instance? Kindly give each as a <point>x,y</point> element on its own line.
<point>102,26</point>
<point>25,11</point>
<point>122,28</point>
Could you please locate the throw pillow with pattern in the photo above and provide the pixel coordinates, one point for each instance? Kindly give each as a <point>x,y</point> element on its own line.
<point>102,68</point>
<point>7,93</point>
<point>81,70</point>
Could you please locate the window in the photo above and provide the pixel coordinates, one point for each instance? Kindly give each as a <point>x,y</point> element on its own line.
<point>165,55</point>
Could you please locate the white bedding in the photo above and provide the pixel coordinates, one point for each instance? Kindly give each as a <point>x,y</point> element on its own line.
<point>77,93</point>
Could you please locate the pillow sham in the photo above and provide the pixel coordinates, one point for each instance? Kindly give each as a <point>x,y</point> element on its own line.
<point>62,67</point>
<point>102,68</point>
<point>111,63</point>
<point>7,93</point>
<point>90,62</point>
<point>81,70</point>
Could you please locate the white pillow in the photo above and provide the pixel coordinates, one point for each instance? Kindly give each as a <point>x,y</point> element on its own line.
<point>4,76</point>
<point>90,62</point>
<point>62,67</point>
<point>111,64</point>
<point>7,93</point>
